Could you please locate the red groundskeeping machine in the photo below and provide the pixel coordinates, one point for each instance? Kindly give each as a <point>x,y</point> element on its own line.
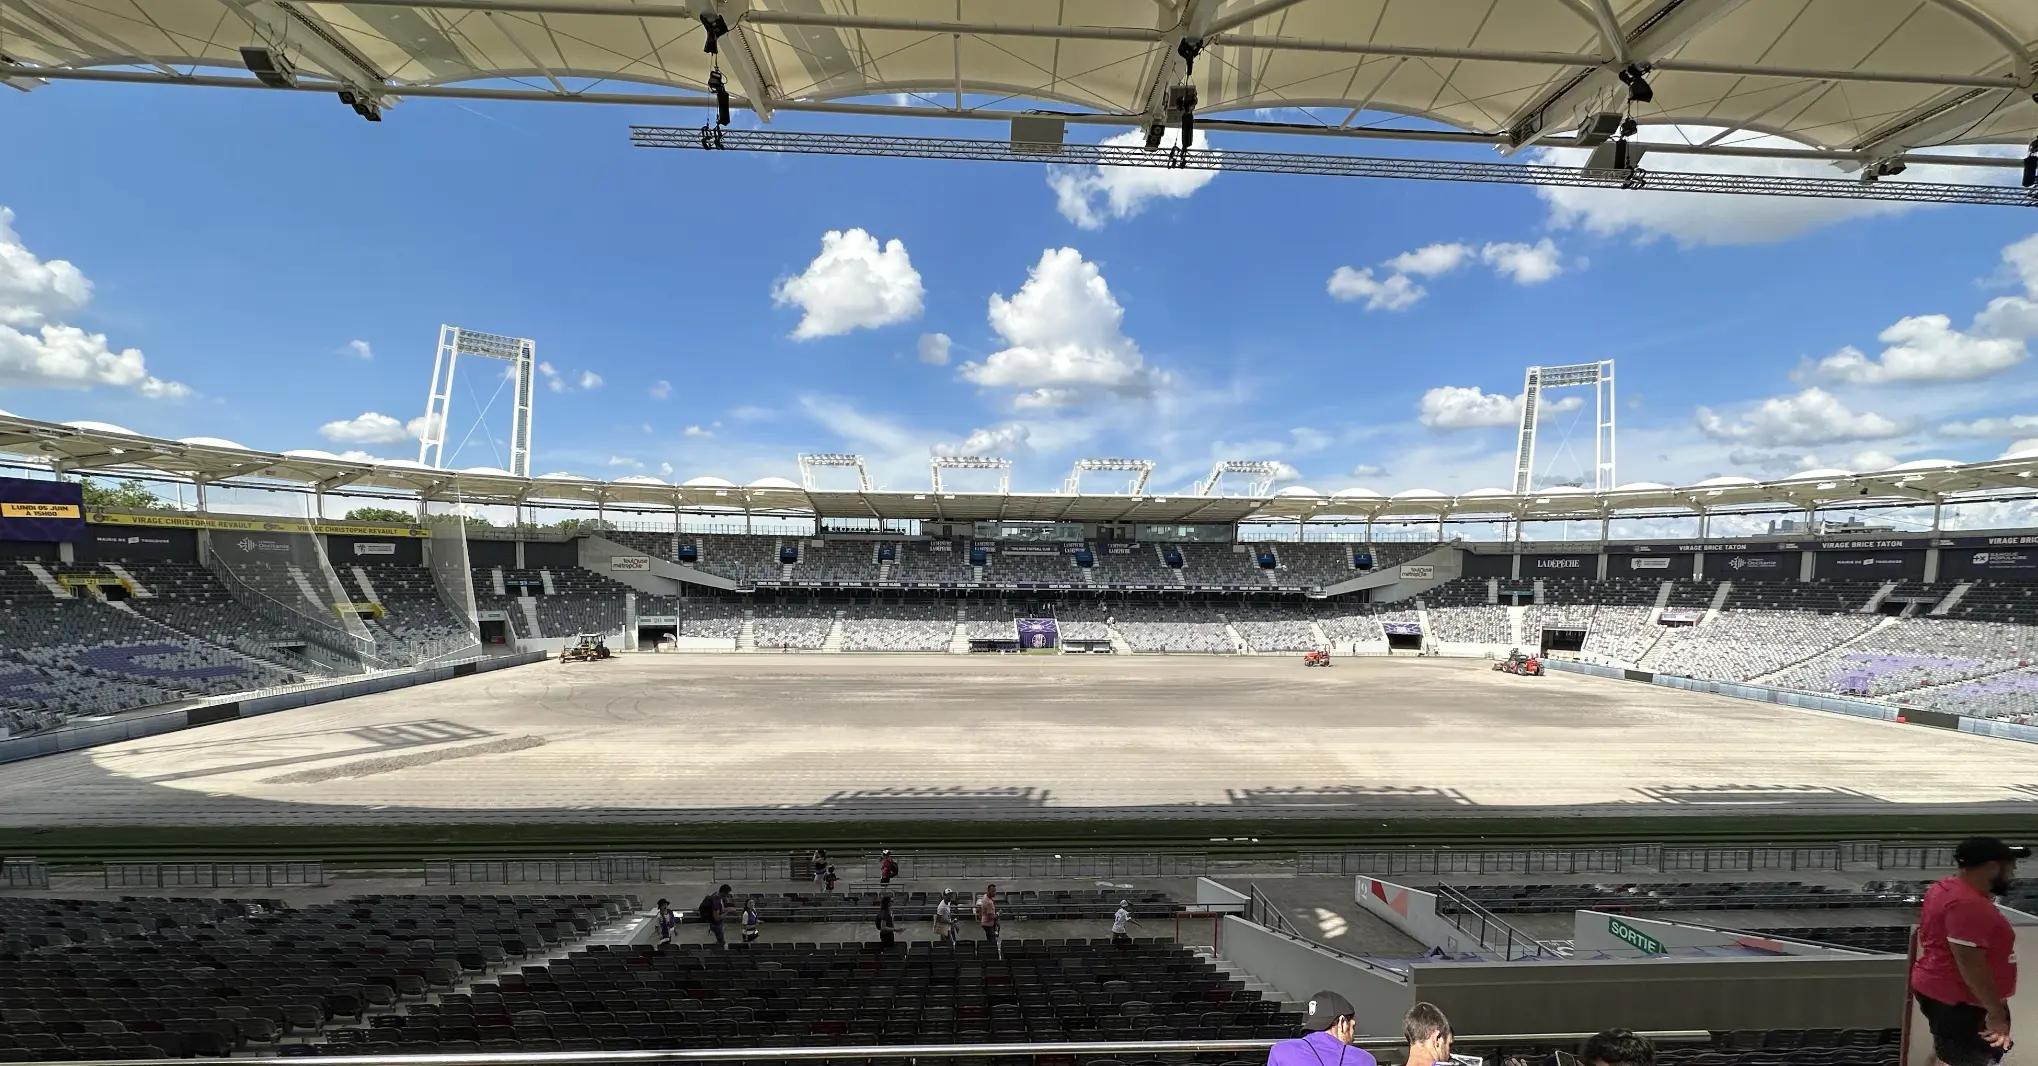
<point>1318,657</point>
<point>1519,663</point>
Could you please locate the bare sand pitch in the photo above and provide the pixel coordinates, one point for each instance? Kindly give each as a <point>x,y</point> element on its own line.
<point>672,737</point>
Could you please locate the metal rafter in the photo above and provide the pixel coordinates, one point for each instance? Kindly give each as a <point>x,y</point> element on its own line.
<point>1563,108</point>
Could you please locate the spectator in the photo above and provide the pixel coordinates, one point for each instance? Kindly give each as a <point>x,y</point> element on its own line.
<point>987,913</point>
<point>715,910</point>
<point>1617,1047</point>
<point>819,863</point>
<point>1329,1025</point>
<point>1428,1034</point>
<point>828,878</point>
<point>1121,918</point>
<point>887,932</point>
<point>750,920</point>
<point>944,918</point>
<point>1966,969</point>
<point>667,921</point>
<point>887,868</point>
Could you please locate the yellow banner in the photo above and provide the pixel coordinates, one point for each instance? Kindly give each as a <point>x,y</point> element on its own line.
<point>83,580</point>
<point>245,525</point>
<point>372,610</point>
<point>38,510</point>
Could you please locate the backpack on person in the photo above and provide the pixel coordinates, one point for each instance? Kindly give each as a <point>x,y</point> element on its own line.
<point>889,868</point>
<point>710,903</point>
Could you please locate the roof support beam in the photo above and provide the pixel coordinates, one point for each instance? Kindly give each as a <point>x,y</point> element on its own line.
<point>2020,57</point>
<point>1563,109</point>
<point>1959,113</point>
<point>1169,68</point>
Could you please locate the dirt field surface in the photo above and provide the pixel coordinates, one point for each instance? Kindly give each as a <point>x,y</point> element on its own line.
<point>680,738</point>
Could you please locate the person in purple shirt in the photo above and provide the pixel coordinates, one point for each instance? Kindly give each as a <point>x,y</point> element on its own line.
<point>1329,1026</point>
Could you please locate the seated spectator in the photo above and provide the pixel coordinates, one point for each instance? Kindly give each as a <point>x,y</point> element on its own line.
<point>1428,1034</point>
<point>1329,1025</point>
<point>1618,1047</point>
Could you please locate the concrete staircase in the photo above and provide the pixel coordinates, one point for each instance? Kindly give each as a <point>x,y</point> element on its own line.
<point>1952,599</point>
<point>833,641</point>
<point>746,637</point>
<point>1238,643</point>
<point>1119,645</point>
<point>529,607</point>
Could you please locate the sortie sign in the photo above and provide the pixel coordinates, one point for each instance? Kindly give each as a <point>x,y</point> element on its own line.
<point>1634,937</point>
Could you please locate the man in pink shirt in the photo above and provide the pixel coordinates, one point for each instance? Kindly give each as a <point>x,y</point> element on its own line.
<point>1966,969</point>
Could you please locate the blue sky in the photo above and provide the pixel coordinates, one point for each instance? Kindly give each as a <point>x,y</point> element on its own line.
<point>241,243</point>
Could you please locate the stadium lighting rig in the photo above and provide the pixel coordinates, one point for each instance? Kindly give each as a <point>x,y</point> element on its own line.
<point>1599,376</point>
<point>1260,471</point>
<point>1140,469</point>
<point>972,462</point>
<point>1618,169</point>
<point>454,342</point>
<point>813,461</point>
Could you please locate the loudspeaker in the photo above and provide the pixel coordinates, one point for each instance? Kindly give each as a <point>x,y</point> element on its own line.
<point>273,69</point>
<point>1597,127</point>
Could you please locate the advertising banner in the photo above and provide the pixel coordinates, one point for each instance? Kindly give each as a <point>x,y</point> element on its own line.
<point>1682,614</point>
<point>1481,565</point>
<point>374,548</point>
<point>1039,633</point>
<point>2014,563</point>
<point>138,545</point>
<point>1545,565</point>
<point>264,547</point>
<point>1649,562</point>
<point>246,525</point>
<point>1402,629</point>
<point>1869,565</point>
<point>1752,566</point>
<point>630,562</point>
<point>42,511</point>
<point>1418,573</point>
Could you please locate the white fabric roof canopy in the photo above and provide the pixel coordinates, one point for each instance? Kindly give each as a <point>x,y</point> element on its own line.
<point>1874,76</point>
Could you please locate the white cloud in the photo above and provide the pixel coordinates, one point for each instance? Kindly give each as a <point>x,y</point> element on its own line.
<point>697,431</point>
<point>1013,438</point>
<point>934,348</point>
<point>550,375</point>
<point>1470,407</point>
<point>660,389</point>
<point>1064,338</point>
<point>2023,449</point>
<point>356,455</point>
<point>853,284</point>
<point>1813,416</point>
<point>1921,348</point>
<point>34,295</point>
<point>665,470</point>
<point>565,381</point>
<point>590,380</point>
<point>1524,264</point>
<point>752,413</point>
<point>1985,428</point>
<point>34,290</point>
<point>369,427</point>
<point>1090,196</point>
<point>1395,292</point>
<point>1307,441</point>
<point>359,349</point>
<point>625,462</point>
<point>1717,218</point>
<point>1368,470</point>
<point>1430,260</point>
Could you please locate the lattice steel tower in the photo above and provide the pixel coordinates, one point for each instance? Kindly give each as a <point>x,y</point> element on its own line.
<point>1598,375</point>
<point>455,342</point>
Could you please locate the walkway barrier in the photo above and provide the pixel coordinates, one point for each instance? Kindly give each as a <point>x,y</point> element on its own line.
<point>1608,860</point>
<point>1487,929</point>
<point>1747,860</point>
<point>23,873</point>
<point>1127,1051</point>
<point>611,869</point>
<point>1915,857</point>
<point>275,874</point>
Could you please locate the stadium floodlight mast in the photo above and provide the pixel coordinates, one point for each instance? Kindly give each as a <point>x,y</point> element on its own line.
<point>1598,375</point>
<point>1140,469</point>
<point>972,462</point>
<point>455,342</point>
<point>813,461</point>
<point>1261,471</point>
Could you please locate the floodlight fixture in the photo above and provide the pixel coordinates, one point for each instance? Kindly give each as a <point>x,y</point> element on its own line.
<point>1140,469</point>
<point>1261,471</point>
<point>454,342</point>
<point>972,462</point>
<point>1639,90</point>
<point>1599,376</point>
<point>813,461</point>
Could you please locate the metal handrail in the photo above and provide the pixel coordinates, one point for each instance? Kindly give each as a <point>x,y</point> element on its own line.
<point>1261,908</point>
<point>1462,904</point>
<point>893,1051</point>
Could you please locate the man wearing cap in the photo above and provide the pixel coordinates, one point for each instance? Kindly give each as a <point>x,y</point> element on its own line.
<point>1966,970</point>
<point>1329,1025</point>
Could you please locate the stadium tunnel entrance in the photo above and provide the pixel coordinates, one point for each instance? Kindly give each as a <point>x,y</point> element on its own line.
<point>1572,640</point>
<point>649,637</point>
<point>494,631</point>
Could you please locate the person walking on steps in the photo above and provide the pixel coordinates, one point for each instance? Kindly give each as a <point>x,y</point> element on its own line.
<point>987,914</point>
<point>944,919</point>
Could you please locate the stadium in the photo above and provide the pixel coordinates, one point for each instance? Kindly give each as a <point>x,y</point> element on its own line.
<point>305,753</point>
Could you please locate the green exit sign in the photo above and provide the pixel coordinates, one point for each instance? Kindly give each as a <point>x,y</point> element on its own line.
<point>1634,937</point>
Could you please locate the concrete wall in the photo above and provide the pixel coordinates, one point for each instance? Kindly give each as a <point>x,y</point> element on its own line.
<point>1211,896</point>
<point>663,579</point>
<point>1414,912</point>
<point>1587,996</point>
<point>1299,970</point>
<point>1386,583</point>
<point>1590,931</point>
<point>14,749</point>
